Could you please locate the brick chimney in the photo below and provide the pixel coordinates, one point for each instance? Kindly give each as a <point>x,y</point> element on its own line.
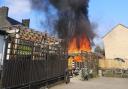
<point>4,11</point>
<point>26,22</point>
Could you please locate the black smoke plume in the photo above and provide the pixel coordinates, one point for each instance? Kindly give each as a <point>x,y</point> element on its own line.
<point>72,17</point>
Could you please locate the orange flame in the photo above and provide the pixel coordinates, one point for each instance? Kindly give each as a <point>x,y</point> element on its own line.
<point>84,45</point>
<point>76,46</point>
<point>78,58</point>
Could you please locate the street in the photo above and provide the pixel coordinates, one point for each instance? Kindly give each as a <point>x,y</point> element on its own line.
<point>96,83</point>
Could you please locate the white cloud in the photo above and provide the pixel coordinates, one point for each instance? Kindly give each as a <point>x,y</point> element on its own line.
<point>18,8</point>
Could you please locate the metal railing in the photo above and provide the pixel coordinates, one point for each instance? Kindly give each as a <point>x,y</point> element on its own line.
<point>29,63</point>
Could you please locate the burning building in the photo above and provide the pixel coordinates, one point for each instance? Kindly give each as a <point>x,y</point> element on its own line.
<point>72,25</point>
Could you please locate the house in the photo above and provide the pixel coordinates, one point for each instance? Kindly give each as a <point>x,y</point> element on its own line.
<point>116,43</point>
<point>6,23</point>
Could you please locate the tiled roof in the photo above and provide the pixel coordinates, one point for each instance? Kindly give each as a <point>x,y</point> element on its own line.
<point>5,22</point>
<point>113,29</point>
<point>13,21</point>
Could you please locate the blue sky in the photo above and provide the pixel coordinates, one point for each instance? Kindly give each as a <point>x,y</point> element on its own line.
<point>108,13</point>
<point>105,13</point>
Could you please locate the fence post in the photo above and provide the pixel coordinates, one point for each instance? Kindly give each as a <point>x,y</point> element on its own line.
<point>30,64</point>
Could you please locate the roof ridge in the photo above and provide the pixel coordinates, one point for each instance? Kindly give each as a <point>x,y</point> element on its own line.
<point>114,28</point>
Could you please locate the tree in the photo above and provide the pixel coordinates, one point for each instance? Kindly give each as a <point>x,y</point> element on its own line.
<point>99,50</point>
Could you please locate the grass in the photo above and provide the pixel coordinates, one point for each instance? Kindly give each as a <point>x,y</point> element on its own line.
<point>110,73</point>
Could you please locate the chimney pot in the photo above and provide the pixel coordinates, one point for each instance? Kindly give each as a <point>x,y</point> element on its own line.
<point>26,22</point>
<point>4,11</point>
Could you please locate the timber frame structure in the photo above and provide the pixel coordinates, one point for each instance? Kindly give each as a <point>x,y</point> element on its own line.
<point>32,59</point>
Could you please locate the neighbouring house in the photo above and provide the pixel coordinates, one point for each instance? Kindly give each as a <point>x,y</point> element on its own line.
<point>116,43</point>
<point>6,23</point>
<point>116,49</point>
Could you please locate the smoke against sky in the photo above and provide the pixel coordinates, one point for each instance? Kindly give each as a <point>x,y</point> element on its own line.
<point>106,13</point>
<point>72,17</point>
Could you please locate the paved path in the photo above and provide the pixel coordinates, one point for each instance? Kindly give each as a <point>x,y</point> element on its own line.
<point>97,83</point>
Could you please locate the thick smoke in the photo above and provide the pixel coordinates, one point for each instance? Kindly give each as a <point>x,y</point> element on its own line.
<point>72,17</point>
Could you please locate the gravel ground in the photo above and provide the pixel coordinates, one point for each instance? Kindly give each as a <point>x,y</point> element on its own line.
<point>97,83</point>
